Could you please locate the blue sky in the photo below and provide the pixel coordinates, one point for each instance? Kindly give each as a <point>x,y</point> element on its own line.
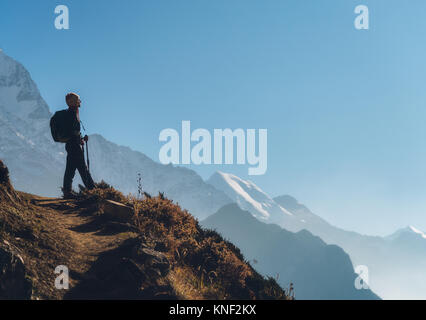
<point>344,109</point>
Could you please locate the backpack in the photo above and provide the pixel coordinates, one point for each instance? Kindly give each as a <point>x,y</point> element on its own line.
<point>60,126</point>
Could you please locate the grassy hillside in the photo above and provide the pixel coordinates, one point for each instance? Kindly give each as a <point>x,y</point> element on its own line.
<point>159,251</point>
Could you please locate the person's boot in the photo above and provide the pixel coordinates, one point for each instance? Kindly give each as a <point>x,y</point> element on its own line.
<point>69,194</point>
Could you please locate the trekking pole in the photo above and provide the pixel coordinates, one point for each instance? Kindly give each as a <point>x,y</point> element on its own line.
<point>87,156</point>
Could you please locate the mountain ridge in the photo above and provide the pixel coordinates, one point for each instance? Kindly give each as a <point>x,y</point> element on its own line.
<point>317,270</point>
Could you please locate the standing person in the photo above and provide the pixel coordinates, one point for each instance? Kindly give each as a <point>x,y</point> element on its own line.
<point>75,148</point>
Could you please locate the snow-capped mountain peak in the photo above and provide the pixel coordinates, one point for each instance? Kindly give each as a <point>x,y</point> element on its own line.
<point>242,189</point>
<point>18,92</point>
<point>251,198</point>
<point>409,231</point>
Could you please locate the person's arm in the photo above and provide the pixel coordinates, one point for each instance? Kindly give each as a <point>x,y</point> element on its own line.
<point>84,139</point>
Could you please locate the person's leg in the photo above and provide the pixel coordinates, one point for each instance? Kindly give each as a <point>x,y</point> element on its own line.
<point>86,177</point>
<point>69,173</point>
<point>84,172</point>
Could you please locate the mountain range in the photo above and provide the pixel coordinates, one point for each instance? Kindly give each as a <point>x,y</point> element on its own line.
<point>396,263</point>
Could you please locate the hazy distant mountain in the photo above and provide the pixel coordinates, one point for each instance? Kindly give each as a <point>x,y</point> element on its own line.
<point>251,198</point>
<point>396,263</point>
<point>317,270</point>
<point>37,164</point>
<point>408,240</point>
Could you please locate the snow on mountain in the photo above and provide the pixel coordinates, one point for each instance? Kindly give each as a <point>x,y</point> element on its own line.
<point>251,198</point>
<point>37,164</point>
<point>408,231</point>
<point>18,92</point>
<point>417,231</point>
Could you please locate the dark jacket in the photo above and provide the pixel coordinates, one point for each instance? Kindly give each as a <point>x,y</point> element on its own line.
<point>74,129</point>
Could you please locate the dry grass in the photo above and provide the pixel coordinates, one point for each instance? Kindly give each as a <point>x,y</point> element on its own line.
<point>205,266</point>
<point>102,191</point>
<point>38,239</point>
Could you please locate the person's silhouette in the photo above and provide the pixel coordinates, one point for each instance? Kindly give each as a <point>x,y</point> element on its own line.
<point>74,148</point>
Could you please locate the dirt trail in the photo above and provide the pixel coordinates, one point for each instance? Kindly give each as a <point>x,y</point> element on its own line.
<point>79,226</point>
<point>87,234</point>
